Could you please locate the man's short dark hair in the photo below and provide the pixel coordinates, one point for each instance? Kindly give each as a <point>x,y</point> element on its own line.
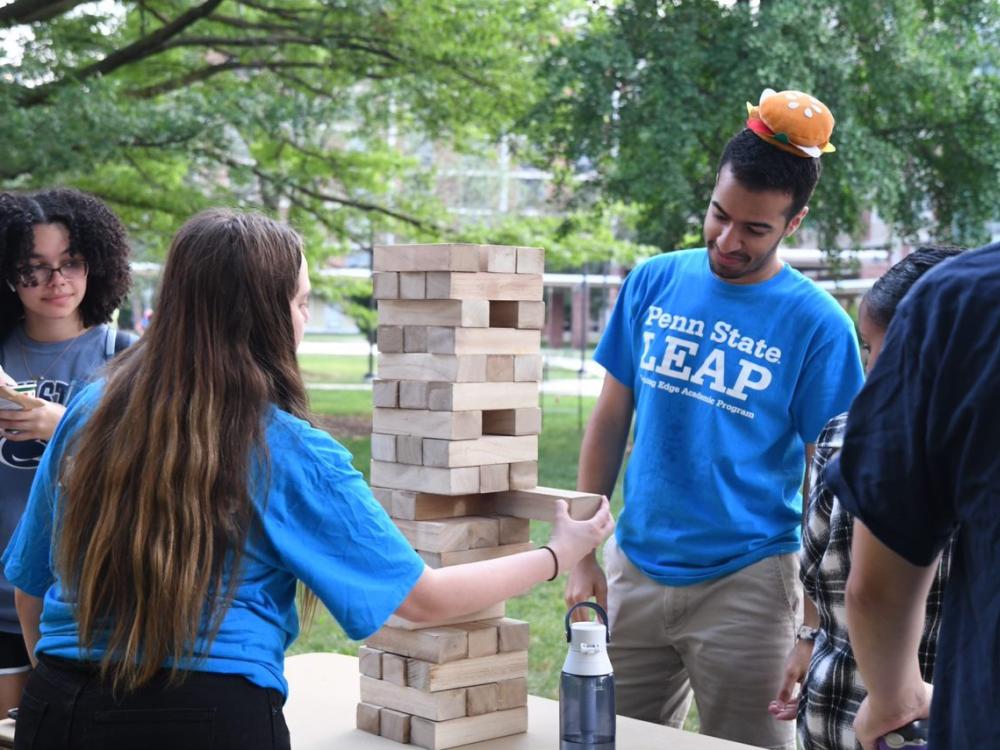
<point>759,166</point>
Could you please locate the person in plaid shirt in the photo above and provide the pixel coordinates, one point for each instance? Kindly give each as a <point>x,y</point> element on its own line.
<point>821,659</point>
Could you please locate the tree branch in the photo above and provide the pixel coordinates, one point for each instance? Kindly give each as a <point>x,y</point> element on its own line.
<point>32,11</point>
<point>203,74</point>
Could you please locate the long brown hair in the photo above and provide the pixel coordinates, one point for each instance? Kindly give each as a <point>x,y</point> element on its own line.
<point>159,486</point>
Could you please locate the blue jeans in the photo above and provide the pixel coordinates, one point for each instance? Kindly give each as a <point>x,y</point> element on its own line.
<point>66,706</point>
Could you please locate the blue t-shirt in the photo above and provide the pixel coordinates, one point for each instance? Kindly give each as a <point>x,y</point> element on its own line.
<point>730,383</point>
<point>318,523</point>
<point>921,457</point>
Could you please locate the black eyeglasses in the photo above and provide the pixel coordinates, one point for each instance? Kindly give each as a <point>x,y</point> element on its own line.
<point>31,276</point>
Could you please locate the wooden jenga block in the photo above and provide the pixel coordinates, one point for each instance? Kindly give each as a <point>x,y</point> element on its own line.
<point>443,285</point>
<point>482,699</point>
<point>482,638</point>
<point>385,393</point>
<point>415,339</point>
<point>421,506</point>
<point>369,718</point>
<point>384,497</point>
<point>523,475</point>
<point>440,735</point>
<point>385,285</point>
<point>383,447</point>
<point>417,366</point>
<point>524,421</point>
<point>538,503</point>
<point>514,530</point>
<point>395,725</point>
<point>447,534</point>
<point>425,675</point>
<point>528,367</point>
<point>530,260</point>
<point>440,706</point>
<point>409,449</point>
<point>443,257</point>
<point>512,635</point>
<point>498,259</point>
<point>389,339</point>
<point>370,662</point>
<point>438,480</point>
<point>467,396</point>
<point>500,368</point>
<point>456,425</point>
<point>491,449</point>
<point>494,478</point>
<point>529,315</point>
<point>394,668</point>
<point>450,340</point>
<point>413,393</point>
<point>412,285</point>
<point>470,313</point>
<point>512,693</point>
<point>487,613</point>
<point>460,557</point>
<point>436,645</point>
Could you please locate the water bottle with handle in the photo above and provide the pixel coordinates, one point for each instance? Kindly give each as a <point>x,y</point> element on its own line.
<point>913,734</point>
<point>587,686</point>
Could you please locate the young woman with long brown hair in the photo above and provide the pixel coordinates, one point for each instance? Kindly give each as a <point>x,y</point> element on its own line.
<point>189,494</point>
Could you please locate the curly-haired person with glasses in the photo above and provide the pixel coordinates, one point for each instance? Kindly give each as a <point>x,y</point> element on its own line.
<point>63,271</point>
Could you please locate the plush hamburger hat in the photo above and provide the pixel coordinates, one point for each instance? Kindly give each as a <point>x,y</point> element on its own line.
<point>792,121</point>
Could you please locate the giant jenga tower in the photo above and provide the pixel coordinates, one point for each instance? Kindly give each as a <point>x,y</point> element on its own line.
<point>455,463</point>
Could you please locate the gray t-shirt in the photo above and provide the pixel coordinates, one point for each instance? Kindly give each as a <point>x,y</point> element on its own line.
<point>65,367</point>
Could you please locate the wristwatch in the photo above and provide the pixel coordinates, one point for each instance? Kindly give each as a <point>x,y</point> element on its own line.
<point>806,633</point>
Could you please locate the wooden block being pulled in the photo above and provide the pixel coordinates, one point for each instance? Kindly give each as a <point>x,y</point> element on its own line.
<point>512,635</point>
<point>524,421</point>
<point>484,286</point>
<point>370,662</point>
<point>389,339</point>
<point>395,725</point>
<point>523,475</point>
<point>385,285</point>
<point>383,447</point>
<point>413,393</point>
<point>412,285</point>
<point>394,669</point>
<point>482,699</point>
<point>415,339</point>
<point>368,718</point>
<point>512,693</point>
<point>443,257</point>
<point>451,340</point>
<point>528,367</point>
<point>436,645</point>
<point>385,393</point>
<point>514,530</point>
<point>487,613</point>
<point>483,638</point>
<point>460,557</point>
<point>437,480</point>
<point>494,478</point>
<point>440,735</point>
<point>409,449</point>
<point>530,260</point>
<point>500,368</point>
<point>456,425</point>
<point>470,313</point>
<point>421,506</point>
<point>538,503</point>
<point>470,368</point>
<point>425,675</point>
<point>492,396</point>
<point>530,315</point>
<point>498,258</point>
<point>491,449</point>
<point>448,534</point>
<point>440,706</point>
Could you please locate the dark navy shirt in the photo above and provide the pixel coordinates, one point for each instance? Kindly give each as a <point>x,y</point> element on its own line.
<point>921,458</point>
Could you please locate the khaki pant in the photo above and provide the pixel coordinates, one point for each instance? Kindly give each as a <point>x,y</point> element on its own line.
<point>726,640</point>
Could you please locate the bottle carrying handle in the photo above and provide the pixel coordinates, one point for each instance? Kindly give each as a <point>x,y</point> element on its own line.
<point>600,612</point>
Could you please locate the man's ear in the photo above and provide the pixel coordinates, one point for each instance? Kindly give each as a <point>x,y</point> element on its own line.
<point>795,222</point>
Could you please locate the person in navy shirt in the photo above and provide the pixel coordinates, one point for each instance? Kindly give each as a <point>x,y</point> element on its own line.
<point>921,463</point>
<point>731,362</point>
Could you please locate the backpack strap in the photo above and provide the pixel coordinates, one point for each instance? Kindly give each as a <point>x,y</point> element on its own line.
<point>115,342</point>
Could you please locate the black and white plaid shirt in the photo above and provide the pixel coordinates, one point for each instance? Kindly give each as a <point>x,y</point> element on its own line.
<point>832,690</point>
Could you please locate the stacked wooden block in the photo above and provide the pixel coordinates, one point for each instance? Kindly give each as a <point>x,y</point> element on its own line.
<point>455,432</point>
